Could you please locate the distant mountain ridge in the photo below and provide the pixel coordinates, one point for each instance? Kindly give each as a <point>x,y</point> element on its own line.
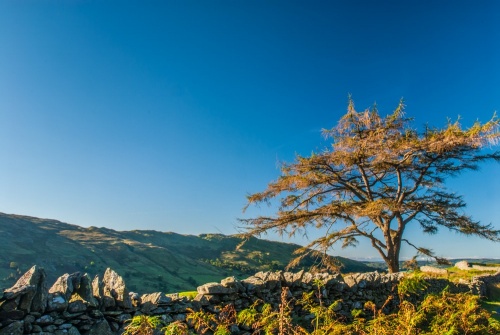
<point>148,260</point>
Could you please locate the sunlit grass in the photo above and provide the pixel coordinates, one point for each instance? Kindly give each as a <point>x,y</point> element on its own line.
<point>492,303</point>
<point>454,274</point>
<point>493,307</point>
<point>188,294</point>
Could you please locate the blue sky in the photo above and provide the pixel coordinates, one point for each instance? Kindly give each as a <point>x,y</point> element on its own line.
<point>165,114</point>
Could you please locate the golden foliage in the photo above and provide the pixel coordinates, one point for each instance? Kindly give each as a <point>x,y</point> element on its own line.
<point>378,176</point>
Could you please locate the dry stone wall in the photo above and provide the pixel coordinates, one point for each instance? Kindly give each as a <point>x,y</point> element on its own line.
<point>78,305</point>
<point>464,265</point>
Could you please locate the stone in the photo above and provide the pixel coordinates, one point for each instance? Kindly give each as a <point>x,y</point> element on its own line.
<point>329,278</point>
<point>114,288</point>
<point>56,302</point>
<point>233,283</point>
<point>174,296</point>
<point>202,300</point>
<point>159,310</point>
<point>167,319</point>
<point>77,306</point>
<point>59,321</point>
<point>28,323</point>
<point>107,302</point>
<point>307,278</point>
<point>114,326</point>
<point>215,288</point>
<point>64,285</point>
<point>253,285</point>
<point>234,329</point>
<point>357,305</point>
<point>152,301</point>
<point>45,320</point>
<point>293,278</point>
<point>29,319</point>
<point>85,290</point>
<point>73,331</point>
<point>15,328</point>
<point>337,306</point>
<point>274,280</point>
<point>50,328</point>
<point>36,329</point>
<point>101,327</point>
<point>123,317</point>
<point>368,280</point>
<point>69,315</point>
<point>213,299</point>
<point>135,298</point>
<point>17,291</point>
<point>75,286</point>
<point>9,305</point>
<point>85,327</point>
<point>32,288</point>
<point>157,298</point>
<point>12,315</point>
<point>65,326</point>
<point>28,327</point>
<point>350,280</point>
<point>97,291</point>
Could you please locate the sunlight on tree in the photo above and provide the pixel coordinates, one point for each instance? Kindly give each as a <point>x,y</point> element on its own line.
<point>379,176</point>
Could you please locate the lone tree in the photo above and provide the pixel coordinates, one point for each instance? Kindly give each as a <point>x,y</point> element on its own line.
<point>379,176</point>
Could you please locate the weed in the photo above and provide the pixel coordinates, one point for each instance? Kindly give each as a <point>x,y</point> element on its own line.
<point>216,324</point>
<point>177,328</point>
<point>411,284</point>
<point>142,325</point>
<point>264,320</point>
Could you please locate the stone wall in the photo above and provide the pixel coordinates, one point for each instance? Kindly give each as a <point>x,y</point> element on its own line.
<point>464,265</point>
<point>78,305</point>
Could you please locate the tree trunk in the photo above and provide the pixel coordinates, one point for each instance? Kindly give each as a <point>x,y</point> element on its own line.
<point>393,264</point>
<point>393,242</point>
<point>393,256</point>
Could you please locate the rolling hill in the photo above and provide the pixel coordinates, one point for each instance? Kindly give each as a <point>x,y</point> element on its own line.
<point>148,260</point>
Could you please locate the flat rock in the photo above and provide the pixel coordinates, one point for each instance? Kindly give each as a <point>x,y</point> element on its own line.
<point>215,288</point>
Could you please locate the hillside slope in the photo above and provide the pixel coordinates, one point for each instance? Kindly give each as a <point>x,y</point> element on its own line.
<point>148,260</point>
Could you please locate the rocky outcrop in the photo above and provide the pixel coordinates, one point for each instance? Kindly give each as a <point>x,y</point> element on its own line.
<point>77,305</point>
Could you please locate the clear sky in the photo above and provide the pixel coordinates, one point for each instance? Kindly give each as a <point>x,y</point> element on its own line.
<point>165,114</point>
